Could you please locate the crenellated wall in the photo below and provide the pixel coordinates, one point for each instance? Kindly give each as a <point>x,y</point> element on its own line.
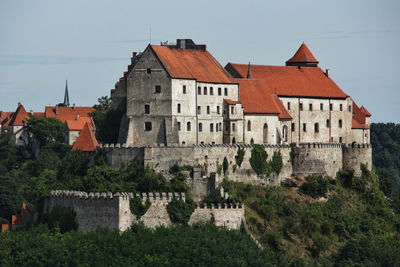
<point>354,154</point>
<point>112,211</point>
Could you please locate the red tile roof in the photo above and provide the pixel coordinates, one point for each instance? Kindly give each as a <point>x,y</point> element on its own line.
<point>18,117</point>
<point>256,97</point>
<point>292,81</point>
<point>79,123</point>
<point>359,118</point>
<point>231,102</point>
<point>4,117</point>
<point>86,141</point>
<point>67,113</point>
<point>192,64</point>
<point>365,111</point>
<point>38,114</point>
<point>303,55</point>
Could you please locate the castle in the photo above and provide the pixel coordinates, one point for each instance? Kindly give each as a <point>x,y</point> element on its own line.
<point>180,94</point>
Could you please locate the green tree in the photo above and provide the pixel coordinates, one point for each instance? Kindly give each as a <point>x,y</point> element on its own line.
<point>258,160</point>
<point>276,162</point>
<point>225,166</point>
<point>239,156</point>
<point>179,211</point>
<point>45,130</point>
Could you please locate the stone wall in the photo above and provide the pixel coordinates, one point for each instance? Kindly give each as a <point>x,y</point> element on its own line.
<point>112,211</point>
<point>354,155</point>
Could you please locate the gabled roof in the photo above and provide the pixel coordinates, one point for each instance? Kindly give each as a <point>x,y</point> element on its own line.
<point>79,123</point>
<point>67,113</point>
<point>291,80</point>
<point>86,141</point>
<point>365,111</point>
<point>18,117</point>
<point>303,55</point>
<point>5,116</point>
<point>359,118</point>
<point>256,97</point>
<point>191,64</point>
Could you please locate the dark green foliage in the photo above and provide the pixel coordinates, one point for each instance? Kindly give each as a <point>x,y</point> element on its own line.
<point>74,164</point>
<point>239,156</point>
<point>10,198</point>
<point>179,211</point>
<point>107,121</point>
<point>63,218</point>
<point>46,130</point>
<point>137,207</point>
<point>258,160</point>
<point>345,177</point>
<point>175,246</point>
<point>315,186</point>
<point>225,166</point>
<point>276,162</point>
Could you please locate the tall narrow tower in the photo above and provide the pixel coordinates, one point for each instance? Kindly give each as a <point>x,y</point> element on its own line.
<point>66,96</point>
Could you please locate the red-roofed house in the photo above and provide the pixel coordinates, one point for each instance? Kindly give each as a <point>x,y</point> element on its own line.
<point>74,127</point>
<point>86,141</point>
<point>180,94</point>
<point>15,124</point>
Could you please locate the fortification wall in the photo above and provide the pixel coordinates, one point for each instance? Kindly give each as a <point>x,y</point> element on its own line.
<point>118,155</point>
<point>227,215</point>
<point>317,158</point>
<point>354,155</point>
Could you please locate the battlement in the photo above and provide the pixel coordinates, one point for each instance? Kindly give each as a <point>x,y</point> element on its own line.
<point>212,206</point>
<point>152,197</point>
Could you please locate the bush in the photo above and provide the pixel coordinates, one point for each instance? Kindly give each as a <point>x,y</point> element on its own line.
<point>315,186</point>
<point>320,244</point>
<point>225,166</point>
<point>137,206</point>
<point>180,211</point>
<point>258,160</point>
<point>63,218</point>
<point>276,162</point>
<point>345,177</point>
<point>239,156</point>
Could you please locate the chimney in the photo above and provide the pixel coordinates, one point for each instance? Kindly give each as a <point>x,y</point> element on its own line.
<point>327,73</point>
<point>73,106</point>
<point>56,109</point>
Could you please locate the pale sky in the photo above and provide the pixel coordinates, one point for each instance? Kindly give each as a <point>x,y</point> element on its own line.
<point>43,43</point>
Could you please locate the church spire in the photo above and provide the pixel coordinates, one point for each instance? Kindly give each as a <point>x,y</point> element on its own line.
<point>248,72</point>
<point>66,96</point>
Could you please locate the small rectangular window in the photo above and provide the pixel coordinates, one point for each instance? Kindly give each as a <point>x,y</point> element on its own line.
<point>340,124</point>
<point>332,139</point>
<point>316,128</point>
<point>321,106</point>
<point>146,109</point>
<point>211,91</point>
<point>288,105</point>
<point>205,90</point>
<point>301,106</point>
<point>232,110</point>
<point>199,90</point>
<point>328,123</point>
<point>200,127</point>
<point>292,127</point>
<point>227,128</point>
<point>225,91</point>
<point>179,108</point>
<point>219,91</point>
<point>158,89</point>
<point>233,127</point>
<point>341,107</point>
<point>331,107</point>
<point>179,125</point>
<point>184,89</point>
<point>340,139</point>
<point>208,109</point>
<point>211,127</point>
<point>147,126</point>
<point>218,110</point>
<point>198,110</point>
<point>188,126</point>
<point>304,127</point>
<point>310,107</point>
<point>350,108</point>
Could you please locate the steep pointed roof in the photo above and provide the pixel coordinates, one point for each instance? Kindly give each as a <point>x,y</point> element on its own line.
<point>86,141</point>
<point>365,111</point>
<point>303,55</point>
<point>249,72</point>
<point>18,117</point>
<point>66,95</point>
<point>359,121</point>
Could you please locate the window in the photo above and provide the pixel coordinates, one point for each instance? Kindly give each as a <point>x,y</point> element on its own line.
<point>292,127</point>
<point>220,126</point>
<point>321,106</point>
<point>158,89</point>
<point>208,109</point>
<point>200,127</point>
<point>198,110</point>
<point>340,139</point>
<point>199,90</point>
<point>188,126</point>
<point>205,90</point>
<point>211,91</point>
<point>350,108</point>
<point>340,124</point>
<point>310,107</point>
<point>288,105</point>
<point>146,109</point>
<point>316,128</point>
<point>216,127</point>
<point>232,110</point>
<point>304,127</point>
<point>148,71</point>
<point>328,123</point>
<point>179,108</point>
<point>233,127</point>
<point>249,126</point>
<point>219,91</point>
<point>184,89</point>
<point>331,107</point>
<point>147,126</point>
<point>225,91</point>
<point>179,125</point>
<point>218,110</point>
<point>332,139</point>
<point>341,107</point>
<point>301,106</point>
<point>211,127</point>
<point>227,128</point>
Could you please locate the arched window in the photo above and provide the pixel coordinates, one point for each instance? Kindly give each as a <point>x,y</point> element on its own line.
<point>265,133</point>
<point>211,127</point>
<point>233,140</point>
<point>179,108</point>
<point>285,133</point>
<point>249,126</point>
<point>188,126</point>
